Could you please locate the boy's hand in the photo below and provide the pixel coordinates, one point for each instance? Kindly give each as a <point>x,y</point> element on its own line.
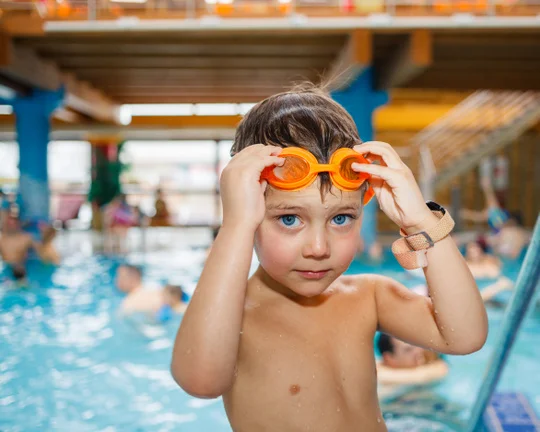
<point>395,187</point>
<point>242,192</point>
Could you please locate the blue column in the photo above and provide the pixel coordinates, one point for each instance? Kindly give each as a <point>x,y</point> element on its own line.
<point>32,125</point>
<point>360,100</point>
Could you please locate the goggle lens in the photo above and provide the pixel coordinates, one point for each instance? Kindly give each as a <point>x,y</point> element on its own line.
<point>292,170</point>
<point>347,172</point>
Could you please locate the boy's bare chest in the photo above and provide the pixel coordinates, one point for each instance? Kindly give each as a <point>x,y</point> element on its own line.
<point>309,365</point>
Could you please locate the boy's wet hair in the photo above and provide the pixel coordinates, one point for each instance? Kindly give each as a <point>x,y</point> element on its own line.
<point>18,271</point>
<point>384,344</point>
<point>304,117</point>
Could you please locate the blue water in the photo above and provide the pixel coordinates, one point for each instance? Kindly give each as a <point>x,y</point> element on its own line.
<point>69,363</point>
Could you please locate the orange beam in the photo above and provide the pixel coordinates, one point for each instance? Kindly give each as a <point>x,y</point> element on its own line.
<point>402,117</point>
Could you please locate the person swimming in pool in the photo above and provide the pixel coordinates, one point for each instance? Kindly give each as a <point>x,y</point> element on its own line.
<point>482,264</point>
<point>508,237</point>
<point>174,301</point>
<point>14,247</point>
<point>405,364</point>
<point>291,348</point>
<point>157,302</point>
<point>139,298</point>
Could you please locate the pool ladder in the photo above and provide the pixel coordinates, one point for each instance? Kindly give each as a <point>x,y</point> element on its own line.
<point>526,286</point>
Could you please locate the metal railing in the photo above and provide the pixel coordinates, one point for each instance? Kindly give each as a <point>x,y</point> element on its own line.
<point>480,124</point>
<point>107,9</point>
<point>523,298</point>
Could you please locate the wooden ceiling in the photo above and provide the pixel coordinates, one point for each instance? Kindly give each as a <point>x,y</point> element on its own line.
<point>190,68</point>
<point>246,67</point>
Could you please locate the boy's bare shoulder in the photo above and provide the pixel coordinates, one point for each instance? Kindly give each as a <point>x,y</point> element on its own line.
<point>362,284</point>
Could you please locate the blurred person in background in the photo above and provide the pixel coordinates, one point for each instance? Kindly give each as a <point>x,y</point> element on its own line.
<point>45,248</point>
<point>508,237</point>
<point>14,247</point>
<point>160,303</point>
<point>174,301</point>
<point>129,280</point>
<point>118,217</point>
<point>162,216</point>
<point>482,264</point>
<point>405,364</point>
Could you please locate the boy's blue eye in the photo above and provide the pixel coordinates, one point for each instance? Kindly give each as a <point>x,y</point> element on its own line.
<point>341,219</point>
<point>289,220</point>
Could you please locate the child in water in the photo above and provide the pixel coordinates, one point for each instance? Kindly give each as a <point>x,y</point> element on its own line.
<point>291,348</point>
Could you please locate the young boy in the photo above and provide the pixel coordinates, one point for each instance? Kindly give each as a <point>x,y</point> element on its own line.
<point>292,348</point>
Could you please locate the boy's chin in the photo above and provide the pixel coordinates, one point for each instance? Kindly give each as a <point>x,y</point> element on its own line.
<point>309,288</point>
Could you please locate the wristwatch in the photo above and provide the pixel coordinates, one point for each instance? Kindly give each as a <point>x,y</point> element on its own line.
<point>411,250</point>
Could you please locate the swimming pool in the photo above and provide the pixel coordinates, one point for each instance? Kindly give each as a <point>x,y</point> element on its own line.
<point>68,363</point>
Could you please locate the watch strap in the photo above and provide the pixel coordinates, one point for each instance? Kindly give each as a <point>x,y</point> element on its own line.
<point>411,250</point>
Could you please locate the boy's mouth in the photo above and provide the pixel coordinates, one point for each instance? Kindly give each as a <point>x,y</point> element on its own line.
<point>312,274</point>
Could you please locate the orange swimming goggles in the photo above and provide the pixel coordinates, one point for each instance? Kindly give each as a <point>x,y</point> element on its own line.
<point>301,169</point>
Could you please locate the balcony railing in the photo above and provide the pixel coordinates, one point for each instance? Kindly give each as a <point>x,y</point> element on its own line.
<point>110,9</point>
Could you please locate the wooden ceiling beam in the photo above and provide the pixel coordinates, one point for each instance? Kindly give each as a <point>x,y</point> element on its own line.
<point>187,62</point>
<point>355,56</point>
<point>82,97</point>
<point>22,23</point>
<point>182,49</point>
<point>66,115</point>
<point>24,66</point>
<point>473,80</point>
<point>201,73</point>
<point>309,39</point>
<point>410,59</point>
<point>193,98</point>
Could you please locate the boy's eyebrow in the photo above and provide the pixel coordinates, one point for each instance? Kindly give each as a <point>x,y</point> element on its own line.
<point>284,206</point>
<point>289,207</point>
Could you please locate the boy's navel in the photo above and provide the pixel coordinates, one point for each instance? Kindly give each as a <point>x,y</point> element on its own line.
<point>294,389</point>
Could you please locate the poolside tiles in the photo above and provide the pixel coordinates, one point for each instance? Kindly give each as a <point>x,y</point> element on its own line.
<point>511,412</point>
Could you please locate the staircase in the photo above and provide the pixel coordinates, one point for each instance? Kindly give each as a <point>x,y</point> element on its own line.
<point>480,125</point>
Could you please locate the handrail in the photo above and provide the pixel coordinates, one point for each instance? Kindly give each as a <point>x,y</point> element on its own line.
<point>526,285</point>
<point>473,121</point>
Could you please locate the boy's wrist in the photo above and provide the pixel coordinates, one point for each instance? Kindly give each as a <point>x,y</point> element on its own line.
<point>429,221</point>
<point>238,226</point>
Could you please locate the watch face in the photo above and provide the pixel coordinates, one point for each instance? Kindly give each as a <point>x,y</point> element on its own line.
<point>433,206</point>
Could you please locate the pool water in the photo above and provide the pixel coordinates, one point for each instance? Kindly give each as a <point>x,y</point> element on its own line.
<point>69,363</point>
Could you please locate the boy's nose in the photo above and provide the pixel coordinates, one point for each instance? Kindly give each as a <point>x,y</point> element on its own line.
<point>317,245</point>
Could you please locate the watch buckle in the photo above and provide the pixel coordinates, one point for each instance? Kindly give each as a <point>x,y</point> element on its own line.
<point>428,238</point>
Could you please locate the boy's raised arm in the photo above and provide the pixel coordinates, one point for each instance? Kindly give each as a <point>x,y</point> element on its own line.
<point>454,319</point>
<point>206,347</point>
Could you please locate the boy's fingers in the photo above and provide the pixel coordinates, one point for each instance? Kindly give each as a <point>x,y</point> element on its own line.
<point>391,176</point>
<point>270,161</point>
<point>382,149</point>
<point>375,158</point>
